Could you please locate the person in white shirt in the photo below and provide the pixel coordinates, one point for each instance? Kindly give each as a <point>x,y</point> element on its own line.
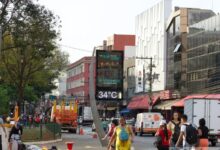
<point>183,135</point>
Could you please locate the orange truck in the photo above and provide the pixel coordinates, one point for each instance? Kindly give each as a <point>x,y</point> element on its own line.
<point>65,114</point>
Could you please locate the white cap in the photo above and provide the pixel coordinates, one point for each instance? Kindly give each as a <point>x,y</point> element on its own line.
<point>162,122</point>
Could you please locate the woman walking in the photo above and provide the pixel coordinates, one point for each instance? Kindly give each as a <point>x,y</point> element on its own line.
<point>123,135</point>
<point>114,124</point>
<point>174,127</point>
<point>14,138</point>
<point>165,136</point>
<point>203,132</point>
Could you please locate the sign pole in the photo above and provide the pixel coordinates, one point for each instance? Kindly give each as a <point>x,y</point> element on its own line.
<point>95,113</point>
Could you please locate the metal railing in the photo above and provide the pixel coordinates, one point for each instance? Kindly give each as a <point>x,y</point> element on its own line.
<point>41,132</point>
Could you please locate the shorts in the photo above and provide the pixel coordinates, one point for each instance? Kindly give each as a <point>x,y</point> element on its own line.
<point>203,144</point>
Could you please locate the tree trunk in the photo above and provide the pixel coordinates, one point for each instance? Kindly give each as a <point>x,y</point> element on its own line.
<point>20,99</point>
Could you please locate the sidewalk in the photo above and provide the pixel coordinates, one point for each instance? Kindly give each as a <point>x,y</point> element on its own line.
<point>82,142</point>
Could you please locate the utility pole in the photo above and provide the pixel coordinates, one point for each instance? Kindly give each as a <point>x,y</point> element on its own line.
<point>150,78</point>
<point>150,82</point>
<point>128,68</point>
<point>95,113</point>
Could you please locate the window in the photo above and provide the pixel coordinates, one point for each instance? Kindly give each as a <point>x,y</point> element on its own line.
<point>177,48</point>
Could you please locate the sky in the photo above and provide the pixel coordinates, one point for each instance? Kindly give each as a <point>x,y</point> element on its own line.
<point>86,23</point>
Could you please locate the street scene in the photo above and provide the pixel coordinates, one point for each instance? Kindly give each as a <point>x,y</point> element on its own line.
<point>109,75</point>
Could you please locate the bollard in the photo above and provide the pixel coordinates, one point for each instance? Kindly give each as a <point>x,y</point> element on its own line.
<point>81,132</point>
<point>94,136</point>
<point>69,145</point>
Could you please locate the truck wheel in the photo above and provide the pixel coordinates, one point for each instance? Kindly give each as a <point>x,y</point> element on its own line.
<point>213,143</point>
<point>72,130</point>
<point>141,133</point>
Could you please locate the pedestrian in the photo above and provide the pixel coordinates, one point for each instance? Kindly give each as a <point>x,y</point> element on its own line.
<point>3,133</point>
<point>123,135</point>
<point>14,137</point>
<point>104,125</point>
<point>174,127</point>
<point>113,125</point>
<point>203,132</point>
<point>188,134</point>
<point>24,118</point>
<point>165,135</point>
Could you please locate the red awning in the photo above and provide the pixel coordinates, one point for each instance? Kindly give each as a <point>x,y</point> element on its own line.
<point>139,102</point>
<point>155,98</point>
<point>198,96</point>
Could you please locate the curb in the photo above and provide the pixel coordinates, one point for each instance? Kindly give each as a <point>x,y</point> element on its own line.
<point>43,142</point>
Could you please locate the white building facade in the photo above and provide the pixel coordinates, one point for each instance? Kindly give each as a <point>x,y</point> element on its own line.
<point>151,42</point>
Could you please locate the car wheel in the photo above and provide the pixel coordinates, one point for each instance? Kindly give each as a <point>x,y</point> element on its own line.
<point>213,143</point>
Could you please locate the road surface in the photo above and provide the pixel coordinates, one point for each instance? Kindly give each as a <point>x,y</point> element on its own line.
<point>86,141</point>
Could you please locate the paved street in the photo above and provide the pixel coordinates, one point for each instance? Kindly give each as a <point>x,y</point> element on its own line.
<point>86,141</point>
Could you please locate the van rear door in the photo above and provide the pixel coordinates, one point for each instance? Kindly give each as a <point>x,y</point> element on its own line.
<point>199,110</point>
<point>214,115</point>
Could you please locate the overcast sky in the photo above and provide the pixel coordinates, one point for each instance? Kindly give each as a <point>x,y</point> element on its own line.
<point>86,23</point>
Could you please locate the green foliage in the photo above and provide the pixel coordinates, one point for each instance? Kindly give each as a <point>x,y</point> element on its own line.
<point>30,94</point>
<point>30,59</point>
<point>4,100</point>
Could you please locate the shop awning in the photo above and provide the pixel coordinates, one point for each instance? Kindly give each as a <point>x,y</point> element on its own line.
<point>165,105</point>
<point>180,103</point>
<point>139,102</point>
<point>111,108</point>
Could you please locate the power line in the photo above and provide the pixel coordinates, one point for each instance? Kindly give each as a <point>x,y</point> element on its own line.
<point>75,48</point>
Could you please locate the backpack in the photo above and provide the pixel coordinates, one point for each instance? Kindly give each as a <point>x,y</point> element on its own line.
<point>123,135</point>
<point>176,133</point>
<point>191,135</point>
<point>158,142</point>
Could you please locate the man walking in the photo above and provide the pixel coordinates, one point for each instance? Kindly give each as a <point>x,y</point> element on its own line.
<point>188,134</point>
<point>2,130</point>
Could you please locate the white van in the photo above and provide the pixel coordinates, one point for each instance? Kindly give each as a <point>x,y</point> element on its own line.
<point>147,123</point>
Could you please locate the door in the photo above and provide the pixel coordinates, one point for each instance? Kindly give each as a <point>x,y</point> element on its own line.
<point>199,110</point>
<point>188,109</point>
<point>214,116</point>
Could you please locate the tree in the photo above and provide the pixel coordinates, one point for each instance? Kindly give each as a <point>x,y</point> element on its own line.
<point>29,49</point>
<point>8,9</point>
<point>4,98</point>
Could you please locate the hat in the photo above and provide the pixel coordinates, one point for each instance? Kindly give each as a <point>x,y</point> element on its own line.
<point>162,122</point>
